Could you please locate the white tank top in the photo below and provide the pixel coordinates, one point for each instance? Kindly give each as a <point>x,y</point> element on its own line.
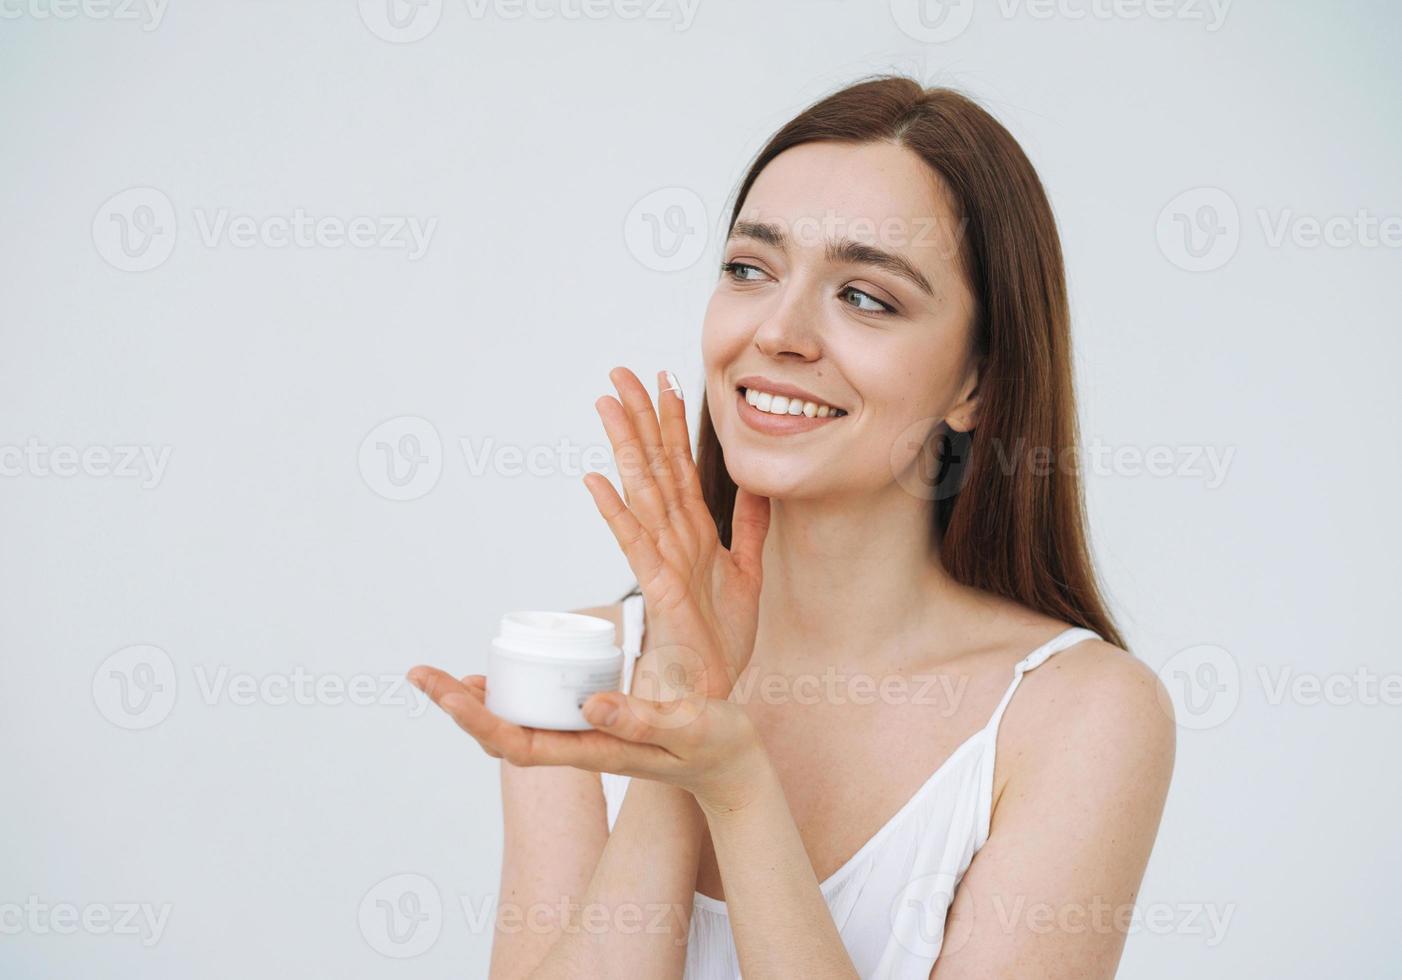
<point>889,899</point>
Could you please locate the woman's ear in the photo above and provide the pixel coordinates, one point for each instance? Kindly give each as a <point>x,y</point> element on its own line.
<point>963,417</point>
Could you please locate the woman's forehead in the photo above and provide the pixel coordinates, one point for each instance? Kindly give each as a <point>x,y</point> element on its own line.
<point>872,181</point>
<point>876,193</point>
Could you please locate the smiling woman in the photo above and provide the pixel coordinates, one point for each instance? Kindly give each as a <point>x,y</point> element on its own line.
<point>889,327</point>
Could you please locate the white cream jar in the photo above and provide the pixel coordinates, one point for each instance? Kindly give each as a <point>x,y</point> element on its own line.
<point>544,665</point>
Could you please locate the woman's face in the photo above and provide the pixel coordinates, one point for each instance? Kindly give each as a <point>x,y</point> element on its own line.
<point>822,292</point>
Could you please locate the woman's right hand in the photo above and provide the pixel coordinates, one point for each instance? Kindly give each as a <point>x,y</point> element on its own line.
<point>702,599</point>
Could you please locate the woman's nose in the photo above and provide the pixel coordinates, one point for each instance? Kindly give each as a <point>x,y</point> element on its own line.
<point>792,327</point>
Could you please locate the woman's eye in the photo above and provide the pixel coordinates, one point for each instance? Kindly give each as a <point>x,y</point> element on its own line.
<point>876,306</point>
<point>738,270</point>
<point>862,301</point>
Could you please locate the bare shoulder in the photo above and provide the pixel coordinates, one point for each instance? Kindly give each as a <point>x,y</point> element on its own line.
<point>1118,693</point>
<point>1096,703</point>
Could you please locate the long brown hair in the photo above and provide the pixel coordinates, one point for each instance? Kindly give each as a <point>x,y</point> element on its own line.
<point>1009,528</point>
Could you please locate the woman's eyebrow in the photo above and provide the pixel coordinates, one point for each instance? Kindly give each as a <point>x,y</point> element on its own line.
<point>838,250</point>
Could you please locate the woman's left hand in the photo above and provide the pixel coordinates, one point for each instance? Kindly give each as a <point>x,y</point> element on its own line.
<point>702,601</point>
<point>705,745</point>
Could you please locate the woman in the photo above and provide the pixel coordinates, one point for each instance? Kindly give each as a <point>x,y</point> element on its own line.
<point>887,444</point>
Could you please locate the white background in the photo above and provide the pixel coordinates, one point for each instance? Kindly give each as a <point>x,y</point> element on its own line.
<point>268,545</point>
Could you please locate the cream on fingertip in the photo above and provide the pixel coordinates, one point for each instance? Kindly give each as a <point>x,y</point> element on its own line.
<point>674,385</point>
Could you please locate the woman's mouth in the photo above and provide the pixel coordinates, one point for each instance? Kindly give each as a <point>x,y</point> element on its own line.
<point>774,414</point>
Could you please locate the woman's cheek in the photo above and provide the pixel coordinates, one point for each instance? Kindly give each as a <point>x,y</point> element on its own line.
<point>723,334</point>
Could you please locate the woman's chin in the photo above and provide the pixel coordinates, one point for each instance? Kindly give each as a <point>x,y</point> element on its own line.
<point>774,479</point>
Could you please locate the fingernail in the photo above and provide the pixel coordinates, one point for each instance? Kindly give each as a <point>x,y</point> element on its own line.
<point>674,385</point>
<point>605,713</point>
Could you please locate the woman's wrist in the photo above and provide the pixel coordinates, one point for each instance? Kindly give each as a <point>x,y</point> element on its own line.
<point>739,783</point>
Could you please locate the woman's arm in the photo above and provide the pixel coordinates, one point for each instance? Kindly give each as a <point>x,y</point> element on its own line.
<point>554,827</point>
<point>685,744</point>
<point>1087,748</point>
<point>635,915</point>
<point>779,919</point>
<point>553,832</point>
<point>625,896</point>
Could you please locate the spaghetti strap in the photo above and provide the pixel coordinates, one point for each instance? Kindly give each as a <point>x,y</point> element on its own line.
<point>1039,656</point>
<point>615,787</point>
<point>632,640</point>
<point>1035,659</point>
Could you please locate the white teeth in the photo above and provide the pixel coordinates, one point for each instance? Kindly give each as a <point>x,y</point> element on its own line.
<point>783,405</point>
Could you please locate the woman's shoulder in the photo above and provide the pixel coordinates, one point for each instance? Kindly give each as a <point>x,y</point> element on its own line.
<point>1109,683</point>
<point>1098,669</point>
<point>1093,702</point>
<point>1088,694</point>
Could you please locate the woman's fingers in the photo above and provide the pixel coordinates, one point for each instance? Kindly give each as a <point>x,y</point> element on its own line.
<point>676,436</point>
<point>640,489</point>
<point>635,541</point>
<point>676,440</point>
<point>748,527</point>
<point>598,751</point>
<point>595,750</point>
<point>436,683</point>
<point>635,399</point>
<point>465,701</point>
<point>623,419</point>
<point>667,724</point>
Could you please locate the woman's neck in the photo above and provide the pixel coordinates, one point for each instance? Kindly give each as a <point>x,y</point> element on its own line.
<point>848,578</point>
